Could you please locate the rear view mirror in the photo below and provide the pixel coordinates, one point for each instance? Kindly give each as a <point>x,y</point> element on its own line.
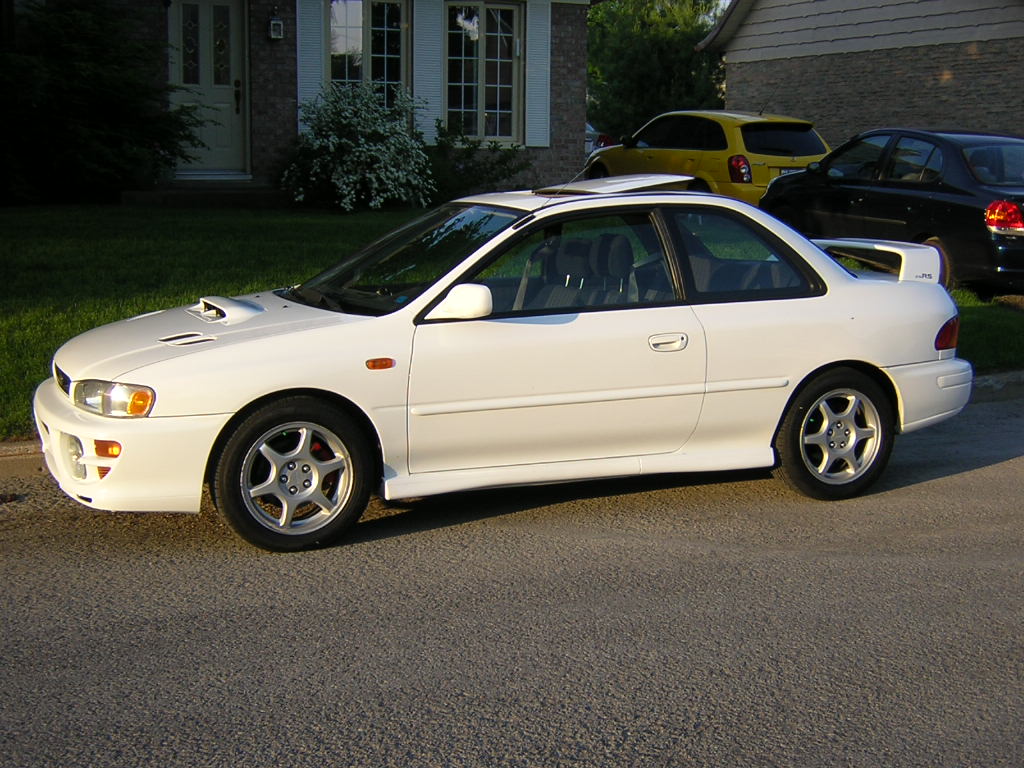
<point>468,301</point>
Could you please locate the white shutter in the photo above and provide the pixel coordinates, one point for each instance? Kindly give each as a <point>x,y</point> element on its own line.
<point>427,63</point>
<point>538,73</point>
<point>310,41</point>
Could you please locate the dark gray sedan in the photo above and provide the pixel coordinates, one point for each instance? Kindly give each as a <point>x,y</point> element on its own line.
<point>960,192</point>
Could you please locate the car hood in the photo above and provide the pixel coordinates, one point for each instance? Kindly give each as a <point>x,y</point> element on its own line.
<point>113,351</point>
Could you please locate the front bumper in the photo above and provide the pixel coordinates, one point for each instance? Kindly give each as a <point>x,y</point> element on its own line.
<point>931,392</point>
<point>160,468</point>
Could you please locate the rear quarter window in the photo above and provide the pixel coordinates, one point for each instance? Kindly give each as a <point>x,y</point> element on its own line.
<point>783,139</point>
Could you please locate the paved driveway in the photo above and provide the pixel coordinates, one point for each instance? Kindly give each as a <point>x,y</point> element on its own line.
<point>685,621</point>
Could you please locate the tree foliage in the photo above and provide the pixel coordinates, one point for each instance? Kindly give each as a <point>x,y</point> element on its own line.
<point>87,109</point>
<point>642,61</point>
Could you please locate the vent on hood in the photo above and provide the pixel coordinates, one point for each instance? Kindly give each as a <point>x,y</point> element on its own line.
<point>184,339</point>
<point>218,309</point>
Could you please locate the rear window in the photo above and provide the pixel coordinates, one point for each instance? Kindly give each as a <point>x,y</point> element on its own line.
<point>999,163</point>
<point>783,139</point>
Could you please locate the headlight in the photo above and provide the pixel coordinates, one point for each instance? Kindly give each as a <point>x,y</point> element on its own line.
<point>111,398</point>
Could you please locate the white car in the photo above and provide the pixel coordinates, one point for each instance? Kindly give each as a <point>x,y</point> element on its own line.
<point>592,330</point>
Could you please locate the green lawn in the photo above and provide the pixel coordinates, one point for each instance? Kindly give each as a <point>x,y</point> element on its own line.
<point>68,269</point>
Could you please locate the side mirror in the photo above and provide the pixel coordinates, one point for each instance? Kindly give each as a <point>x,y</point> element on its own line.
<point>467,301</point>
<point>627,141</point>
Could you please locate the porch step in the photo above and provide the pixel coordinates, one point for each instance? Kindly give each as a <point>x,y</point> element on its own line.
<point>209,194</point>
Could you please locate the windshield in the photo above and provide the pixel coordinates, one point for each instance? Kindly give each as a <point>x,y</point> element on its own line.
<point>782,139</point>
<point>387,274</point>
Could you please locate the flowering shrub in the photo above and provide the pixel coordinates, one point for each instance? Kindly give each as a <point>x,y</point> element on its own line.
<point>356,151</point>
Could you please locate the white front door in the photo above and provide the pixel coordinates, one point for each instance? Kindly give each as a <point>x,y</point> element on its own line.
<point>495,393</point>
<point>207,61</point>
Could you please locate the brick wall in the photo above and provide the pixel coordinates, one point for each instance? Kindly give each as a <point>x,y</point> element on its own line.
<point>273,99</point>
<point>965,85</point>
<point>564,158</point>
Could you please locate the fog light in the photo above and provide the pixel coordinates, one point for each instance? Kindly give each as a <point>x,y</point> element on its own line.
<point>74,450</point>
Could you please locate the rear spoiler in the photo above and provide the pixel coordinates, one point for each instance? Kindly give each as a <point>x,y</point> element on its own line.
<point>911,261</point>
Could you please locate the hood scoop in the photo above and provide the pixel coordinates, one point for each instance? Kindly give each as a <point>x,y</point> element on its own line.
<point>186,339</point>
<point>218,309</point>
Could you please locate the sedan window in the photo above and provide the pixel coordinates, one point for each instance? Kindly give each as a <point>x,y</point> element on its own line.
<point>999,163</point>
<point>915,160</point>
<point>596,262</point>
<point>860,160</point>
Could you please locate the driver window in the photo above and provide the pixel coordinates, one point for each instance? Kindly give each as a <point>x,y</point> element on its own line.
<point>859,161</point>
<point>598,262</point>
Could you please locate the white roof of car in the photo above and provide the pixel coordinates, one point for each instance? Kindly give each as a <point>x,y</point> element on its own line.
<point>531,200</point>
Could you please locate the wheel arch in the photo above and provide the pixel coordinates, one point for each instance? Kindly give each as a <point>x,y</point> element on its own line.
<point>873,372</point>
<point>333,398</point>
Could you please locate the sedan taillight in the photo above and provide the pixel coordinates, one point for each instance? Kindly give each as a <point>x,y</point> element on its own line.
<point>948,334</point>
<point>1004,218</point>
<point>739,170</point>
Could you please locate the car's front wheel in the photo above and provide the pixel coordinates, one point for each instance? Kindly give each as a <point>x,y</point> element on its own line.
<point>836,437</point>
<point>293,474</point>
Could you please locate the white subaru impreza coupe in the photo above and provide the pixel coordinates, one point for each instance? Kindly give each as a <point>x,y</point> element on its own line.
<point>604,328</point>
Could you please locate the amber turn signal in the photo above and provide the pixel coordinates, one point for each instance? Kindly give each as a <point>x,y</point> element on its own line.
<point>107,449</point>
<point>380,363</point>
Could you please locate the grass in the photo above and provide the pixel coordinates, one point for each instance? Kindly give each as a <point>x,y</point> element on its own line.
<point>69,269</point>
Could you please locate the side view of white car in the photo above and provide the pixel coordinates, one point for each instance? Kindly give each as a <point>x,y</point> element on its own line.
<point>605,328</point>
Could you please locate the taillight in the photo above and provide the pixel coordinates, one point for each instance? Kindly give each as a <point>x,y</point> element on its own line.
<point>739,170</point>
<point>1005,218</point>
<point>948,334</point>
<point>603,140</point>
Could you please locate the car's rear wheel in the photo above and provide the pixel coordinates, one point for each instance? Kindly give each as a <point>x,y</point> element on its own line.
<point>836,437</point>
<point>947,276</point>
<point>293,474</point>
<point>597,171</point>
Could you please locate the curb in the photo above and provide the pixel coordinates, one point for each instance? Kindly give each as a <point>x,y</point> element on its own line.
<point>23,458</point>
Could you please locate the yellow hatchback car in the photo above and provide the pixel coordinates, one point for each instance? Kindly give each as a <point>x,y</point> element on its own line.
<point>730,153</point>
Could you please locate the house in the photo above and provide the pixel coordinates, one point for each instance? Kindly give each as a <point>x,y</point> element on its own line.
<point>851,65</point>
<point>510,71</point>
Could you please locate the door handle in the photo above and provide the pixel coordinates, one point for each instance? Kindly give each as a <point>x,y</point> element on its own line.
<point>238,96</point>
<point>668,342</point>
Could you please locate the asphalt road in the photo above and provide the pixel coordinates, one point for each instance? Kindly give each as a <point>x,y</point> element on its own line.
<point>684,621</point>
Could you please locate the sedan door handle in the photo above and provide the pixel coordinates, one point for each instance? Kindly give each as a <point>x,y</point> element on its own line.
<point>668,342</point>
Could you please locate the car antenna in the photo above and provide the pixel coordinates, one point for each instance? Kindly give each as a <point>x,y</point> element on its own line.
<point>768,99</point>
<point>550,200</point>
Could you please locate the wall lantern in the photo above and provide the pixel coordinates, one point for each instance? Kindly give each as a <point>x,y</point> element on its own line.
<point>275,27</point>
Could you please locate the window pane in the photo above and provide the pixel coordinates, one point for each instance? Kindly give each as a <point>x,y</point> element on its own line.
<point>221,45</point>
<point>347,41</point>
<point>189,43</point>
<point>482,40</point>
<point>725,258</point>
<point>915,160</point>
<point>594,263</point>
<point>860,160</point>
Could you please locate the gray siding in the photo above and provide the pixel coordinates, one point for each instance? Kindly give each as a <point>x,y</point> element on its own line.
<point>779,29</point>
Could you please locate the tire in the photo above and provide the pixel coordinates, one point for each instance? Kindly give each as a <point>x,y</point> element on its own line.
<point>312,463</point>
<point>698,185</point>
<point>947,276</point>
<point>836,437</point>
<point>597,171</point>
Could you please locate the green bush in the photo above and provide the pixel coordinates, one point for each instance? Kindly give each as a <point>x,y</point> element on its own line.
<point>357,151</point>
<point>86,104</point>
<point>463,165</point>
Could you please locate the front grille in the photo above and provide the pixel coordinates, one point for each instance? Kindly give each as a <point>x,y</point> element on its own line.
<point>63,380</point>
